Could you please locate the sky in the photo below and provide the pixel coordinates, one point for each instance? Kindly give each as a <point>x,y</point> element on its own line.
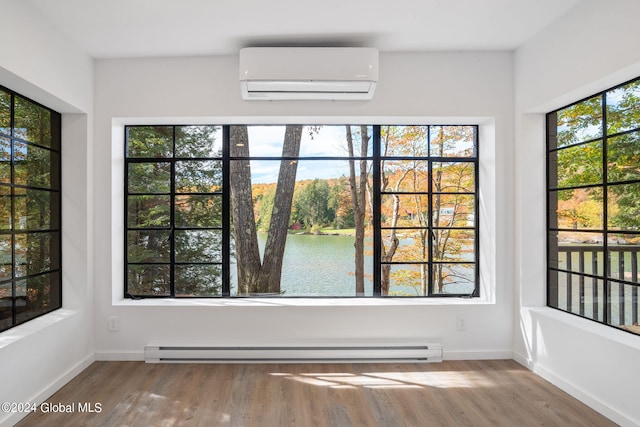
<point>327,141</point>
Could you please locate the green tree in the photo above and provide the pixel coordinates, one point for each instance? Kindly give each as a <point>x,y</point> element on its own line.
<point>197,209</point>
<point>580,162</point>
<point>312,204</point>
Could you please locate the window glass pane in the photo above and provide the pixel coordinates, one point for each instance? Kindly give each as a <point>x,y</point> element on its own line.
<point>322,265</point>
<point>6,305</point>
<point>5,159</point>
<point>623,257</point>
<point>408,280</point>
<point>6,263</point>
<point>37,295</point>
<point>5,208</point>
<point>198,176</point>
<point>453,141</point>
<point>623,306</point>
<point>624,207</point>
<point>320,230</point>
<point>579,252</point>
<point>149,141</point>
<point>198,141</point>
<point>149,177</point>
<point>404,210</point>
<point>198,246</point>
<point>412,245</point>
<point>36,253</point>
<point>32,165</point>
<point>335,172</point>
<point>31,122</point>
<point>148,280</point>
<point>405,175</point>
<point>623,157</point>
<point>458,177</point>
<point>5,112</point>
<point>453,210</point>
<point>148,246</point>
<point>315,265</point>
<point>579,165</point>
<point>334,141</point>
<point>198,280</point>
<point>580,122</point>
<point>580,209</point>
<point>256,141</point>
<point>149,211</point>
<point>623,108</point>
<point>578,294</point>
<point>315,141</point>
<point>33,209</point>
<point>454,278</point>
<point>194,211</point>
<point>453,245</point>
<point>404,141</point>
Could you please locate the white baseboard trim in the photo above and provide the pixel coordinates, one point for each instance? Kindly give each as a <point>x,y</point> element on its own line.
<point>477,355</point>
<point>109,356</point>
<point>48,391</point>
<point>586,398</point>
<point>527,363</point>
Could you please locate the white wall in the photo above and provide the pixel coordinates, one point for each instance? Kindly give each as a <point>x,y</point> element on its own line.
<point>413,87</point>
<point>595,46</point>
<point>40,62</point>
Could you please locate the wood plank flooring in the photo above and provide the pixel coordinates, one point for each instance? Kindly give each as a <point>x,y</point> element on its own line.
<point>453,393</point>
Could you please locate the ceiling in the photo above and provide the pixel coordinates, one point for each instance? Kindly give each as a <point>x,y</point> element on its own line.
<point>139,28</point>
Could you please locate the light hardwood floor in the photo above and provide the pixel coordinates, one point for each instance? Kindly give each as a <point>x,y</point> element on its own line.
<point>452,393</point>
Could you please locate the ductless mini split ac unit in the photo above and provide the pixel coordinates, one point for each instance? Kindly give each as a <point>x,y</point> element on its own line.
<point>308,73</point>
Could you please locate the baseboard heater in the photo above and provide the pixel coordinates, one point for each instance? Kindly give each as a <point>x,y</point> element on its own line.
<point>431,352</point>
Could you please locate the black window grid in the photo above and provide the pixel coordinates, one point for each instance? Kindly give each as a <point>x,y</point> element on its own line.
<point>15,231</point>
<point>376,160</point>
<point>600,257</point>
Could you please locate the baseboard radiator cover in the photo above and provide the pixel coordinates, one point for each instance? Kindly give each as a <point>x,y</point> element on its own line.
<point>426,353</point>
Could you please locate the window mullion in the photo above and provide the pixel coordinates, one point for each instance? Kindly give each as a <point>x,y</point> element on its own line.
<point>172,227</point>
<point>226,212</point>
<point>377,232</point>
<point>431,231</point>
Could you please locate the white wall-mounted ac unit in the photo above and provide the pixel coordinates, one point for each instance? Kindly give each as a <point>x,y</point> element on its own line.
<point>302,73</point>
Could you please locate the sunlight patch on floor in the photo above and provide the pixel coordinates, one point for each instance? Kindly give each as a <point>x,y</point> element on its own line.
<point>391,380</point>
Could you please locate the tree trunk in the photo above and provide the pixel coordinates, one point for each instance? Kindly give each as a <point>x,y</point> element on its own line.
<point>274,250</point>
<point>254,276</point>
<point>246,237</point>
<point>359,198</point>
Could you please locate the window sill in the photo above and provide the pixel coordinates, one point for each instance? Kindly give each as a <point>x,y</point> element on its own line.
<point>34,326</point>
<point>300,302</point>
<point>602,331</point>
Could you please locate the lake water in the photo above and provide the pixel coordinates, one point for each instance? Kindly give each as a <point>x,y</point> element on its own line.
<point>323,266</point>
<point>318,266</point>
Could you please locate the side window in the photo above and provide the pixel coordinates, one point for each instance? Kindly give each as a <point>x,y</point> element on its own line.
<point>593,164</point>
<point>30,250</point>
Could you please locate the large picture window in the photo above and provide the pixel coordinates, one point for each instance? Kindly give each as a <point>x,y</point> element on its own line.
<point>301,211</point>
<point>593,169</point>
<point>30,275</point>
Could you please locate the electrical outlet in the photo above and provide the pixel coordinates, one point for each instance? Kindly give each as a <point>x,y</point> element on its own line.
<point>461,324</point>
<point>113,323</point>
